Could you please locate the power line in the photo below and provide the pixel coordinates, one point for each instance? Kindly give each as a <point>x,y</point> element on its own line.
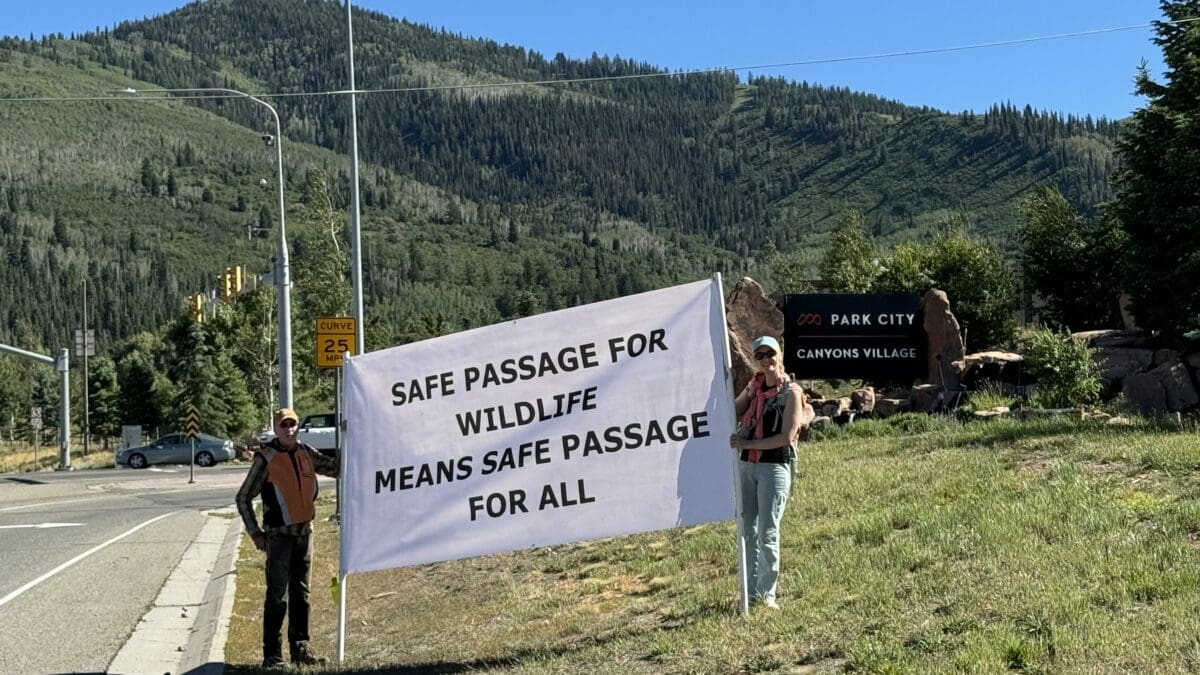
<point>163,94</point>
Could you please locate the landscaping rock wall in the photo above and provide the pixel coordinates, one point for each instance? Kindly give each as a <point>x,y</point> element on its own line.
<point>1153,381</point>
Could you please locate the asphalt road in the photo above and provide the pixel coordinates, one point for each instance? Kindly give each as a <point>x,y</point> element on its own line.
<point>85,553</point>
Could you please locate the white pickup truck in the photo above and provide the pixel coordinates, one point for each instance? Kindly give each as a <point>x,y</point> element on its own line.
<point>316,430</point>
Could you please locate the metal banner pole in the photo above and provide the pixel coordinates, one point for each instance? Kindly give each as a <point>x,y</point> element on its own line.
<point>341,621</point>
<point>192,464</point>
<point>737,483</point>
<point>341,458</point>
<point>337,435</point>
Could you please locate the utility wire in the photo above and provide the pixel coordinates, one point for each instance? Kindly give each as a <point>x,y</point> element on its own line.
<point>145,94</point>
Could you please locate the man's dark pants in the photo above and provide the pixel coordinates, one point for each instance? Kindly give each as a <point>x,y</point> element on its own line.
<point>289,567</point>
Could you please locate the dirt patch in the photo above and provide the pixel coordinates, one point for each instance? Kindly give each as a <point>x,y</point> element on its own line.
<point>1037,465</point>
<point>1194,539</point>
<point>1129,475</point>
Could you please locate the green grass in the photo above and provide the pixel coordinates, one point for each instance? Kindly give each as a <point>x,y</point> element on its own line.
<point>990,395</point>
<point>1049,546</point>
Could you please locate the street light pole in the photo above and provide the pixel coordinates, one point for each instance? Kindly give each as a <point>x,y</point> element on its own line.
<point>355,225</point>
<point>283,281</point>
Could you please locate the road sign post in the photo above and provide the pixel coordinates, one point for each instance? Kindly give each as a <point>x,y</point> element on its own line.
<point>35,423</point>
<point>336,337</point>
<point>191,425</point>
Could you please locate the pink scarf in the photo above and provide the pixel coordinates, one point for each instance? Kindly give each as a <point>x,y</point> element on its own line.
<point>754,412</point>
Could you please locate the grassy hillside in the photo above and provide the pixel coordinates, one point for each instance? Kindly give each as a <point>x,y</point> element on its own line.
<point>910,546</point>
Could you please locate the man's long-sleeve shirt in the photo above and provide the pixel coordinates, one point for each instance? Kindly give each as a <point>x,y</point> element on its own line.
<point>256,478</point>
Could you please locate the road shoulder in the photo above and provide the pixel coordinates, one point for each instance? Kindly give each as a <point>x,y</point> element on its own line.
<point>186,627</point>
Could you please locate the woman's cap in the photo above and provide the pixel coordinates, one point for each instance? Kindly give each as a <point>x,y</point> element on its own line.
<point>767,341</point>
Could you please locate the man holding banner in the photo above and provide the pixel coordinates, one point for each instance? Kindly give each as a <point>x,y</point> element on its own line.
<point>285,472</point>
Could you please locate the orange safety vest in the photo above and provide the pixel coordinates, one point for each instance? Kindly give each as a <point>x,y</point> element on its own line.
<point>291,487</point>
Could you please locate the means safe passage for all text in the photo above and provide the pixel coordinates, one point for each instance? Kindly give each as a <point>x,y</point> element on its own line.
<point>631,436</point>
<point>676,428</point>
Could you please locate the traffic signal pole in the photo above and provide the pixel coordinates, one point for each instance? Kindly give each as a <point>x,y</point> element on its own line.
<point>63,365</point>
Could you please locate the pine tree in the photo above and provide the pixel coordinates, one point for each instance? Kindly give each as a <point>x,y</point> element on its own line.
<point>104,397</point>
<point>1157,196</point>
<point>149,178</point>
<point>849,264</point>
<point>1070,262</point>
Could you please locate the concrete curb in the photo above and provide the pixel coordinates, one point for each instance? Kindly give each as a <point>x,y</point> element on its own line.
<point>186,627</point>
<point>212,625</point>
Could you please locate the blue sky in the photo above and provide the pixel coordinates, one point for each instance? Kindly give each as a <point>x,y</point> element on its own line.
<point>1081,75</point>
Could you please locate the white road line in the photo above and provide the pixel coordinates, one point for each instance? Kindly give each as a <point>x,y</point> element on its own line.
<point>81,556</point>
<point>39,526</point>
<point>112,495</point>
<point>69,501</point>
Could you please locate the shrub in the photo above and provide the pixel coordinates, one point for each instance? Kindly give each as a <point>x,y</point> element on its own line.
<point>1066,372</point>
<point>989,395</point>
<point>912,423</point>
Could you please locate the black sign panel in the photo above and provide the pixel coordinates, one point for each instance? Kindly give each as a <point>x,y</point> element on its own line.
<point>870,337</point>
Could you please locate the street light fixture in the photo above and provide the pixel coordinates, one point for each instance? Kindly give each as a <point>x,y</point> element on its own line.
<point>282,272</point>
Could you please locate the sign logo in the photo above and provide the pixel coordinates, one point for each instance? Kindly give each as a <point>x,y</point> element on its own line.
<point>808,319</point>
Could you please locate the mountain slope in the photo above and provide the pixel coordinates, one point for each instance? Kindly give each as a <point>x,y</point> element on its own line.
<point>479,204</point>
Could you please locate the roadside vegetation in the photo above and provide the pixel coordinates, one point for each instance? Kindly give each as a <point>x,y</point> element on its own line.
<point>23,457</point>
<point>909,546</point>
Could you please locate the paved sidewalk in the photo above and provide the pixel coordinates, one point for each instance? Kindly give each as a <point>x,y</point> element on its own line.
<point>185,629</point>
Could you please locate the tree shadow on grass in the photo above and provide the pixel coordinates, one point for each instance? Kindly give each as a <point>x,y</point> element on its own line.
<point>1005,434</point>
<point>516,658</point>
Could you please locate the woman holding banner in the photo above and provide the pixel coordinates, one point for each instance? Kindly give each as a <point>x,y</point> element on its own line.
<point>769,418</point>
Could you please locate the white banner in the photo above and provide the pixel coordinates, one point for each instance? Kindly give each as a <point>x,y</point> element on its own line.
<point>589,422</point>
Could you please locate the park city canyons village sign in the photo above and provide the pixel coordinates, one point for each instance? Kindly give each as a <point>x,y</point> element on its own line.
<point>843,336</point>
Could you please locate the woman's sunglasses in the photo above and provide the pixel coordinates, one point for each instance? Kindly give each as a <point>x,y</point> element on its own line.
<point>286,424</point>
<point>759,356</point>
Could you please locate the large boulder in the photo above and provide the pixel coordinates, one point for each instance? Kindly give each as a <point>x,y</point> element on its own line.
<point>1178,389</point>
<point>1117,363</point>
<point>925,398</point>
<point>1102,339</point>
<point>1144,393</point>
<point>1162,356</point>
<point>863,400</point>
<point>944,339</point>
<point>807,415</point>
<point>886,407</point>
<point>994,366</point>
<point>749,313</point>
<point>834,407</point>
<point>1125,302</point>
